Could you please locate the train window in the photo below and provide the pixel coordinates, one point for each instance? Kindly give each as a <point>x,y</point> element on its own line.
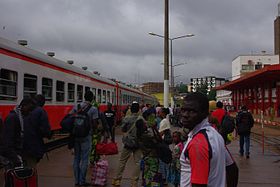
<point>104,96</point>
<point>99,96</point>
<point>79,93</point>
<point>60,91</point>
<point>94,93</point>
<point>108,97</point>
<point>71,92</point>
<point>47,87</point>
<point>8,84</point>
<point>129,99</point>
<point>124,99</point>
<point>113,97</point>
<point>87,88</point>
<point>29,85</point>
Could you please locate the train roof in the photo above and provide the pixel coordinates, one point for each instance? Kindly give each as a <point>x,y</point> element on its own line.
<point>28,52</point>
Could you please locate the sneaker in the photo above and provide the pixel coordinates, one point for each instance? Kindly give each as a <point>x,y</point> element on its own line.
<point>116,182</point>
<point>247,156</point>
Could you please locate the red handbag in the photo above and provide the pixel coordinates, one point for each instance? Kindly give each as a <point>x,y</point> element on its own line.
<point>107,148</point>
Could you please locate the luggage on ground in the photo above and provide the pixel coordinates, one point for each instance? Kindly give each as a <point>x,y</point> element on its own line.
<point>100,172</point>
<point>21,177</point>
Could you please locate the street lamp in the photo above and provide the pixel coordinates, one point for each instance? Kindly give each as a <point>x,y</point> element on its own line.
<point>171,56</point>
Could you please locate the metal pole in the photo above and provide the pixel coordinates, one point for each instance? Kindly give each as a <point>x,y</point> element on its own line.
<point>171,73</point>
<point>166,54</point>
<point>262,132</point>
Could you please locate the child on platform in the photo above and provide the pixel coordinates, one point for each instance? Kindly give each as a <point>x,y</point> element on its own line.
<point>174,173</point>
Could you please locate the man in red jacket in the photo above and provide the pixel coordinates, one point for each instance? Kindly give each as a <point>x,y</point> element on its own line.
<point>219,114</point>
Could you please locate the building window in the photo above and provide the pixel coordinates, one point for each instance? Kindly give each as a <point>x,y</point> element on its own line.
<point>60,91</point>
<point>258,66</point>
<point>247,67</point>
<point>71,92</point>
<point>79,93</point>
<point>8,84</point>
<point>29,85</point>
<point>104,96</point>
<point>99,96</point>
<point>47,87</point>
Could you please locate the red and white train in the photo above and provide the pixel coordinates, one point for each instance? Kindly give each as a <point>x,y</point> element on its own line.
<point>26,72</point>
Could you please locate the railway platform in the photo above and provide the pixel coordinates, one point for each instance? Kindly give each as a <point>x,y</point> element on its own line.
<point>259,170</point>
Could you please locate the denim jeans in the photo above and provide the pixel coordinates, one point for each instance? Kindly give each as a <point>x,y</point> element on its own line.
<point>82,148</point>
<point>244,139</point>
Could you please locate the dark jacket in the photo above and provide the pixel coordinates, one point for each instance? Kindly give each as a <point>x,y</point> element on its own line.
<point>11,142</point>
<point>36,127</point>
<point>244,122</point>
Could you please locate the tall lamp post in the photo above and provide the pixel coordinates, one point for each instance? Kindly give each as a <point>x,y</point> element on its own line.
<point>171,55</point>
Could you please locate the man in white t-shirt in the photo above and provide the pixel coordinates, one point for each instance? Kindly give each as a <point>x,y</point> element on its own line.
<point>203,159</point>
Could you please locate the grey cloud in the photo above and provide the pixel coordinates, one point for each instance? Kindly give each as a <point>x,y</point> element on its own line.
<point>111,36</point>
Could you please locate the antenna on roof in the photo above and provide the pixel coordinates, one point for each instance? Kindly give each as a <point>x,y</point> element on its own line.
<point>51,54</point>
<point>70,62</point>
<point>22,42</point>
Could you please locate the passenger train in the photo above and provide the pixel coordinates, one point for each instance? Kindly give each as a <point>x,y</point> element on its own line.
<point>26,72</point>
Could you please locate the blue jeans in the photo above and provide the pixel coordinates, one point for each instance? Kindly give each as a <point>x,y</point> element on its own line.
<point>244,139</point>
<point>82,148</point>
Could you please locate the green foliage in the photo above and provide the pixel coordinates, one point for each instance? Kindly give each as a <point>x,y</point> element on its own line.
<point>212,95</point>
<point>182,88</point>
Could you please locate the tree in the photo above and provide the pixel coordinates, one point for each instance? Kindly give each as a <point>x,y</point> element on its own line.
<point>204,89</point>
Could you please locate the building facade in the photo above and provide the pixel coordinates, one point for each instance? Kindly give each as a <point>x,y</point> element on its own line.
<point>259,91</point>
<point>152,87</point>
<point>245,64</point>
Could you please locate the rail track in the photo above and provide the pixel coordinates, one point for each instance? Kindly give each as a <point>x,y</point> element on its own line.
<point>270,142</point>
<point>57,143</point>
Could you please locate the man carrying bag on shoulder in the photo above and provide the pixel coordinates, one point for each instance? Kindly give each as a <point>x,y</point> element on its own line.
<point>131,146</point>
<point>85,116</point>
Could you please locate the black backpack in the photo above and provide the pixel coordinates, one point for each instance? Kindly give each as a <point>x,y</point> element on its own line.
<point>228,124</point>
<point>81,122</point>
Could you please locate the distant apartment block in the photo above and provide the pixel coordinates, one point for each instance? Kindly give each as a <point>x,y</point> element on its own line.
<point>152,87</point>
<point>209,81</point>
<point>245,64</point>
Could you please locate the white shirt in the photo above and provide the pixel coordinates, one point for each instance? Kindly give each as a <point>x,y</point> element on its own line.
<point>217,172</point>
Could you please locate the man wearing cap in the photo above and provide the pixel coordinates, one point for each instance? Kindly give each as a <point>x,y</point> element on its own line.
<point>129,128</point>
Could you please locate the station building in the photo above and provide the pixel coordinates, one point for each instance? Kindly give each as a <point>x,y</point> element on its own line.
<point>258,90</point>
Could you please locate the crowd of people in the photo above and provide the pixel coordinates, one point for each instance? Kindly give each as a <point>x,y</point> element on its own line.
<point>192,154</point>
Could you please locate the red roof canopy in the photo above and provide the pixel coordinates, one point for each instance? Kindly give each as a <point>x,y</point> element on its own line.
<point>265,76</point>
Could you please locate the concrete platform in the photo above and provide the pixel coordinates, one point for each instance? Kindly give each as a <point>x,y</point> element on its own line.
<point>259,170</point>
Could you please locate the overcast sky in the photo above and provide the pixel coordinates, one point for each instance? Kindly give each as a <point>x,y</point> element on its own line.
<point>111,36</point>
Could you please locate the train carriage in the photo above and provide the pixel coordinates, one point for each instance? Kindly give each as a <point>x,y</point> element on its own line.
<point>26,72</point>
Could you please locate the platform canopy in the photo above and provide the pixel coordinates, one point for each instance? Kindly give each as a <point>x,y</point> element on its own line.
<point>266,75</point>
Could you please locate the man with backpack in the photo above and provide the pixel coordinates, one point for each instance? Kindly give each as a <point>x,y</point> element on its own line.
<point>85,116</point>
<point>244,123</point>
<point>226,123</point>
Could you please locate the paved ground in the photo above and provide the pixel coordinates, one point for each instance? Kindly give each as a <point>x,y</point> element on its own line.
<point>259,170</point>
